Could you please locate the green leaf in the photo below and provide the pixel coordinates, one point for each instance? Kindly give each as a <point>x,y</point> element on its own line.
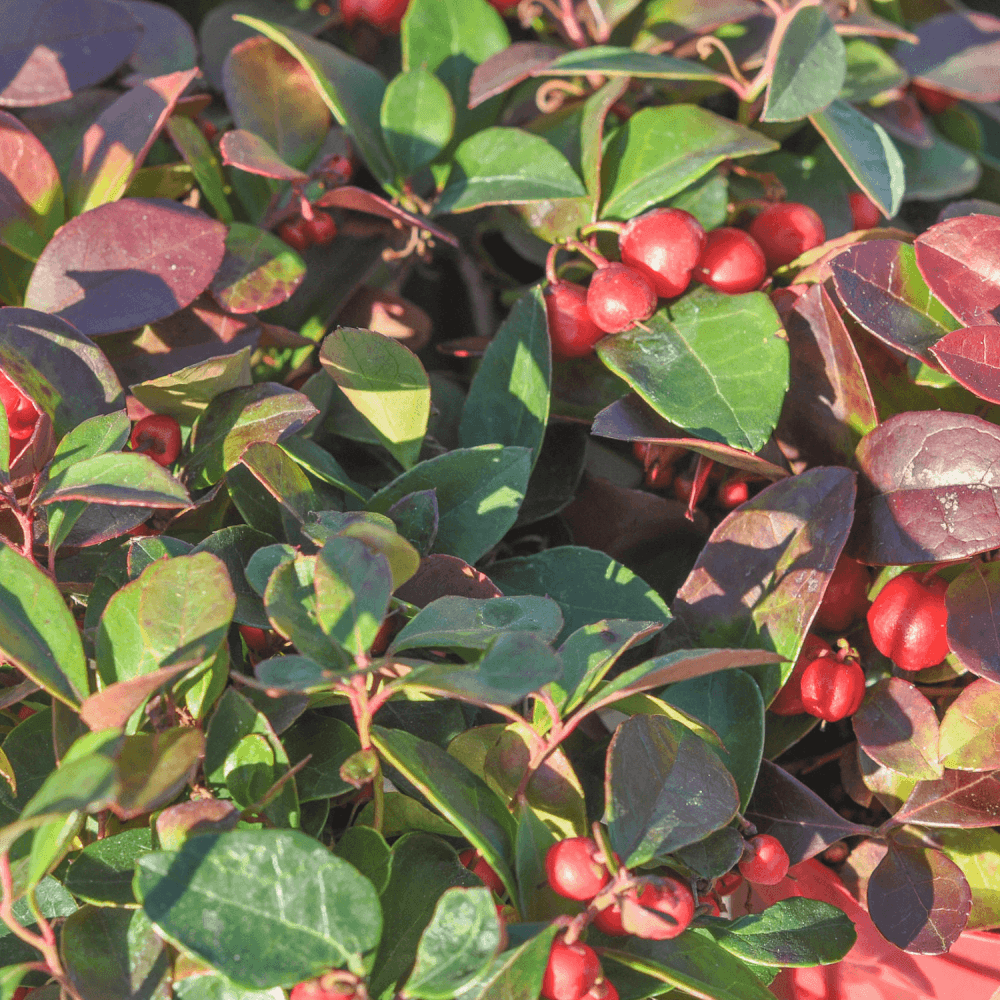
<point>616,60</point>
<point>53,902</point>
<point>535,898</point>
<point>318,462</point>
<point>870,71</point>
<point>516,974</point>
<point>508,401</point>
<point>417,118</point>
<point>329,742</point>
<point>809,67</point>
<point>216,987</point>
<point>367,850</point>
<point>587,585</point>
<point>479,492</point>
<point>37,631</point>
<point>198,154</point>
<point>456,946</point>
<point>154,767</point>
<point>263,907</point>
<point>385,383</point>
<point>796,932</point>
<point>713,364</point>
<point>943,171</point>
<point>235,547</point>
<point>121,478</point>
<point>977,853</point>
<point>655,770</point>
<point>503,166</point>
<point>866,151</point>
<point>102,872</point>
<point>660,151</point>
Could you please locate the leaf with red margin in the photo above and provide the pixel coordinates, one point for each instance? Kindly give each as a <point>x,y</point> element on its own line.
<point>881,287</point>
<point>114,147</point>
<point>51,50</point>
<point>257,272</point>
<point>958,261</point>
<point>918,898</point>
<point>785,808</point>
<point>966,799</point>
<point>255,155</point>
<point>896,726</point>
<point>127,263</point>
<point>829,406</point>
<point>972,600</point>
<point>928,489</point>
<point>359,200</point>
<point>972,357</point>
<point>970,729</point>
<point>509,68</point>
<point>31,197</point>
<point>763,573</point>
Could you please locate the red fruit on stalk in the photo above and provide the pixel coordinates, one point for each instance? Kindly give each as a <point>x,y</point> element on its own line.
<point>732,493</point>
<point>726,885</point>
<point>712,904</point>
<point>478,865</point>
<point>664,245</point>
<point>295,234</point>
<point>158,436</point>
<point>673,899</point>
<point>788,700</point>
<point>573,869</point>
<point>832,689</point>
<point>321,229</point>
<point>786,230</point>
<point>22,415</point>
<point>934,102</point>
<point>385,15</point>
<point>619,297</point>
<point>314,989</point>
<point>571,330</point>
<point>865,214</point>
<point>571,972</point>
<point>504,5</point>
<point>908,621</point>
<point>732,262</point>
<point>846,596</point>
<point>255,638</point>
<point>764,860</point>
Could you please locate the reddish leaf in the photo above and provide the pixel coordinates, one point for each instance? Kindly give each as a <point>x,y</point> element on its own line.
<point>972,357</point>
<point>964,799</point>
<point>785,808</point>
<point>130,262</point>
<point>974,621</point>
<point>255,155</point>
<point>881,287</point>
<point>631,418</point>
<point>442,575</point>
<point>257,272</point>
<point>970,729</point>
<point>508,68</point>
<point>903,120</point>
<point>359,200</point>
<point>916,503</point>
<point>918,898</point>
<point>111,707</point>
<point>829,407</point>
<point>168,43</point>
<point>896,726</point>
<point>958,261</point>
<point>52,49</point>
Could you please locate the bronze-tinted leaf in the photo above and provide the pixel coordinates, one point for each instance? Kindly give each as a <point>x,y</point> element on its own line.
<point>970,729</point>
<point>255,155</point>
<point>257,272</point>
<point>972,357</point>
<point>973,599</point>
<point>442,575</point>
<point>168,43</point>
<point>928,487</point>
<point>508,68</point>
<point>359,200</point>
<point>964,799</point>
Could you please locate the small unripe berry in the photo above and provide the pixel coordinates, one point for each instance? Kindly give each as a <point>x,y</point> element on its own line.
<point>571,972</point>
<point>572,868</point>
<point>158,436</point>
<point>785,231</point>
<point>321,229</point>
<point>478,865</point>
<point>908,622</point>
<point>865,214</point>
<point>764,861</point>
<point>831,689</point>
<point>619,297</point>
<point>846,597</point>
<point>572,332</point>
<point>732,262</point>
<point>788,701</point>
<point>664,245</point>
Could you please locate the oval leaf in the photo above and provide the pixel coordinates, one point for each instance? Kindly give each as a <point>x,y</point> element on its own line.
<point>971,600</point>
<point>972,357</point>
<point>970,729</point>
<point>417,119</point>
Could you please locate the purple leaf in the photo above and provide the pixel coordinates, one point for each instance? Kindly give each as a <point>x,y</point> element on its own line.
<point>255,155</point>
<point>970,729</point>
<point>785,808</point>
<point>127,263</point>
<point>972,599</point>
<point>918,898</point>
<point>965,799</point>
<point>927,489</point>
<point>168,43</point>
<point>972,357</point>
<point>359,200</point>
<point>508,68</point>
<point>958,261</point>
<point>896,726</point>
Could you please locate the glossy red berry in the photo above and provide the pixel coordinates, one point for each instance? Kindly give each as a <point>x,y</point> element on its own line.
<point>321,229</point>
<point>25,712</point>
<point>619,297</point>
<point>479,866</point>
<point>788,700</point>
<point>664,245</point>
<point>571,330</point>
<point>908,621</point>
<point>831,689</point>
<point>22,415</point>
<point>934,101</point>
<point>786,230</point>
<point>314,989</point>
<point>571,971</point>
<point>711,905</point>
<point>255,638</point>
<point>604,989</point>
<point>294,233</point>
<point>732,493</point>
<point>846,597</point>
<point>865,214</point>
<point>385,15</point>
<point>673,899</point>
<point>732,262</point>
<point>158,436</point>
<point>573,869</point>
<point>764,861</point>
<point>21,993</point>
<point>726,885</point>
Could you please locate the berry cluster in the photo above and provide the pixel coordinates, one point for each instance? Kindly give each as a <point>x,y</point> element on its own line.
<point>22,415</point>
<point>300,232</point>
<point>660,473</point>
<point>158,436</point>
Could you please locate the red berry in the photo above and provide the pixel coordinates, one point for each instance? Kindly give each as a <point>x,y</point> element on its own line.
<point>831,689</point>
<point>786,230</point>
<point>733,492</point>
<point>208,129</point>
<point>21,992</point>
<point>764,860</point>
<point>573,870</point>
<point>22,415</point>
<point>846,596</point>
<point>726,885</point>
<point>908,622</point>
<point>602,990</point>
<point>732,262</point>
<point>25,712</point>
<point>934,101</point>
<point>314,989</point>
<point>255,638</point>
<point>158,436</point>
<point>385,15</point>
<point>664,245</point>
<point>294,233</point>
<point>337,170</point>
<point>478,865</point>
<point>788,700</point>
<point>683,485</point>
<point>571,971</point>
<point>673,899</point>
<point>865,214</point>
<point>571,330</point>
<point>712,905</point>
<point>504,5</point>
<point>619,297</point>
<point>321,229</point>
